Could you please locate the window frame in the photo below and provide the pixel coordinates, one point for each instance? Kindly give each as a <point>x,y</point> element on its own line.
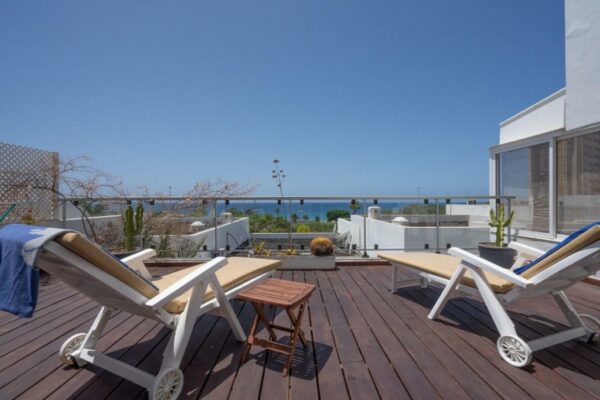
<point>546,138</point>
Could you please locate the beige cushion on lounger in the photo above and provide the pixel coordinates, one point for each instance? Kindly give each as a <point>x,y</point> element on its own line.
<point>443,266</point>
<point>235,272</point>
<point>95,255</point>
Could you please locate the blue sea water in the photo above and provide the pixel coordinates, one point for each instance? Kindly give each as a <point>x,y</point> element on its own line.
<point>308,210</point>
<point>311,209</point>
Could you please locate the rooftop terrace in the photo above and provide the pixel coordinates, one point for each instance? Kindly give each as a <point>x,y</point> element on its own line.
<point>364,342</point>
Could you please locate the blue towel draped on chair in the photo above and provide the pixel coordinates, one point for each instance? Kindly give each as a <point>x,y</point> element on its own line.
<point>19,278</point>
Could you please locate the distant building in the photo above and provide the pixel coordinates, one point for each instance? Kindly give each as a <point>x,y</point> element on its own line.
<point>549,153</point>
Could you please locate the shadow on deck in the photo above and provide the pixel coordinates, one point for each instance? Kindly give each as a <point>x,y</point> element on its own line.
<point>364,342</point>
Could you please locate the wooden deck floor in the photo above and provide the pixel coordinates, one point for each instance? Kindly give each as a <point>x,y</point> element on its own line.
<point>364,343</point>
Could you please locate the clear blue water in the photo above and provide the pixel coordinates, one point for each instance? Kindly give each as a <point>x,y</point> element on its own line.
<point>310,209</point>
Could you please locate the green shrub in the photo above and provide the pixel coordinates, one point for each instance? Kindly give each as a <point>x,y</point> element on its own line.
<point>416,209</point>
<point>334,214</point>
<point>303,228</point>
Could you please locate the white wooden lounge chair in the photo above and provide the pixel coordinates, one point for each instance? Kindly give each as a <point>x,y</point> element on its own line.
<point>550,272</point>
<point>176,300</point>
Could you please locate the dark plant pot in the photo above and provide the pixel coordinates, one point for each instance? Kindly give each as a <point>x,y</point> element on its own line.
<point>502,256</point>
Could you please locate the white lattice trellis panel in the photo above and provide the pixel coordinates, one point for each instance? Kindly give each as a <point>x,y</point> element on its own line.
<point>28,177</point>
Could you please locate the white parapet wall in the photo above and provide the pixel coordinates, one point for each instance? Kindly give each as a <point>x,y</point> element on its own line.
<point>77,223</point>
<point>233,234</point>
<point>389,236</point>
<point>478,214</point>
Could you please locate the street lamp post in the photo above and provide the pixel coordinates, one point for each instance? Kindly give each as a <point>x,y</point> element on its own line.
<point>279,176</point>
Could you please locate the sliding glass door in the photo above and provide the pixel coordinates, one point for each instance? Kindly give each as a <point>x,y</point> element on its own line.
<point>578,181</point>
<point>524,173</point>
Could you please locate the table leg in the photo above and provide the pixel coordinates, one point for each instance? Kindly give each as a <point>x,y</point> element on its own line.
<point>258,307</point>
<point>293,338</point>
<point>295,322</point>
<point>250,338</point>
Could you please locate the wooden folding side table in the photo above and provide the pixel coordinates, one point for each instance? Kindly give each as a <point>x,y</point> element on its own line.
<point>278,293</point>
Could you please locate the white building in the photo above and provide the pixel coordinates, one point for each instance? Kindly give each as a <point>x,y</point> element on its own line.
<point>549,153</point>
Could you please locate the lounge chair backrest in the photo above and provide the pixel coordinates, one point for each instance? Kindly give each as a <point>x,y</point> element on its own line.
<point>96,256</point>
<point>92,253</point>
<point>566,248</point>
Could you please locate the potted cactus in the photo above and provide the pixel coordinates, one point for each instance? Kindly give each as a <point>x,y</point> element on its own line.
<point>132,225</point>
<point>497,252</point>
<point>321,255</point>
<point>321,246</point>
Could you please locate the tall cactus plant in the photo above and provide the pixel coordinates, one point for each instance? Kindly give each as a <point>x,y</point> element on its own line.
<point>498,221</point>
<point>132,225</point>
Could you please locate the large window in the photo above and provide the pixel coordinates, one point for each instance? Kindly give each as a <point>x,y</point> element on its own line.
<point>578,181</point>
<point>523,173</point>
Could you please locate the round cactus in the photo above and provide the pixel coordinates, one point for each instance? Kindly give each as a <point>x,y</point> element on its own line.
<point>321,246</point>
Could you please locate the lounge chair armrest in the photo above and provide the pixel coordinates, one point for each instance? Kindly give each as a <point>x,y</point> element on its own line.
<point>136,262</point>
<point>524,249</point>
<point>471,260</point>
<point>187,282</point>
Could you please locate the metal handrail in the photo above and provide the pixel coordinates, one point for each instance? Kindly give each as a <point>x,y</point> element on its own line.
<point>433,200</point>
<point>275,198</point>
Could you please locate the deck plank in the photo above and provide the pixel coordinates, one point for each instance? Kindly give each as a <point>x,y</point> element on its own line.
<point>482,339</point>
<point>363,342</point>
<point>358,378</point>
<point>477,387</point>
<point>327,361</point>
<point>385,378</point>
<point>274,385</point>
<point>121,326</point>
<point>304,382</point>
<point>413,377</point>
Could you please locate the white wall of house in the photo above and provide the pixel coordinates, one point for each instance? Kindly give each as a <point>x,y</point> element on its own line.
<point>545,116</point>
<point>77,225</point>
<point>399,237</point>
<point>479,214</point>
<point>234,234</point>
<point>582,32</point>
<point>571,111</point>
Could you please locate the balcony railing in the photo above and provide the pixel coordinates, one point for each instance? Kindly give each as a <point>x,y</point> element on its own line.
<point>360,226</point>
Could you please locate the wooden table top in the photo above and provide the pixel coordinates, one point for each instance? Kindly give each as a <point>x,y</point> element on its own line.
<point>277,292</point>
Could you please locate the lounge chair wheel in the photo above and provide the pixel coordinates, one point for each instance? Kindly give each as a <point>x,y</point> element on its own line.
<point>168,385</point>
<point>68,347</point>
<point>592,324</point>
<point>514,351</point>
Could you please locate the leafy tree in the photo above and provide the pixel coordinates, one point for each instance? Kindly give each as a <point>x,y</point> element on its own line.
<point>305,217</point>
<point>334,214</point>
<point>235,212</point>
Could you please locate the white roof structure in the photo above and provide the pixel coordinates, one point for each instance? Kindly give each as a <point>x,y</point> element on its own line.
<point>575,107</point>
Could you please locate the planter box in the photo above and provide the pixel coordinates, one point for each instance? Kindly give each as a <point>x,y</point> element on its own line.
<point>306,262</point>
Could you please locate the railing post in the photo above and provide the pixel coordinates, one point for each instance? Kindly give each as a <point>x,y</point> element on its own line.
<point>508,228</point>
<point>216,251</point>
<point>64,214</point>
<point>437,226</point>
<point>365,254</point>
<point>290,224</point>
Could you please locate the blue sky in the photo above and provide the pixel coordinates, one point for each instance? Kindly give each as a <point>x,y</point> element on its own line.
<point>372,97</point>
